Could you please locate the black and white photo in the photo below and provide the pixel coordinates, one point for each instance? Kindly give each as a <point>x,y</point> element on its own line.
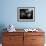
<point>26,14</point>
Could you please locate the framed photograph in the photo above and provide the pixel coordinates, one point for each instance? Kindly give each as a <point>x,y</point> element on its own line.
<point>26,14</point>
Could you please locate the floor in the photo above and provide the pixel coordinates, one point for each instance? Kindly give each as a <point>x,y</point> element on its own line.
<point>0,44</point>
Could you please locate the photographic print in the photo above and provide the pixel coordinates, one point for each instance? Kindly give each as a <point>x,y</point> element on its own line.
<point>26,14</point>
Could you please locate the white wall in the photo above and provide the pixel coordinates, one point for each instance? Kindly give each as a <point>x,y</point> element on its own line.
<point>9,13</point>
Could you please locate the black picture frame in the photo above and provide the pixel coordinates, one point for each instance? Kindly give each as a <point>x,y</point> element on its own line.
<point>26,14</point>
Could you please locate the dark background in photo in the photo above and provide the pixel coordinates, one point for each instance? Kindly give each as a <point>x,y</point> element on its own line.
<point>26,14</point>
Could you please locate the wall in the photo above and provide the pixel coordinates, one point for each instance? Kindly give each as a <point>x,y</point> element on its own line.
<point>8,9</point>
